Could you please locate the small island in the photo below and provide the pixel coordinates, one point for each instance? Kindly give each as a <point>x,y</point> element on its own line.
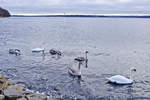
<point>4,13</point>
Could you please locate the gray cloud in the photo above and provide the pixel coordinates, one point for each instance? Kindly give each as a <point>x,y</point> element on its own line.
<point>78,5</point>
<point>60,2</point>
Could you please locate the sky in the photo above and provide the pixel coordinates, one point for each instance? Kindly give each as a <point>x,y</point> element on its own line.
<point>86,6</point>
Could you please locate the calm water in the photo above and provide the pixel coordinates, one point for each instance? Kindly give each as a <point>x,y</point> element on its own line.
<point>114,45</point>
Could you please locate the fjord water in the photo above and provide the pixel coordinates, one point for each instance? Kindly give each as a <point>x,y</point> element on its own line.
<point>114,44</point>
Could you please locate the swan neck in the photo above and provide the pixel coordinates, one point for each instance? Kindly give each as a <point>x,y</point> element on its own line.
<point>79,68</point>
<point>85,55</point>
<point>131,75</point>
<point>43,52</point>
<point>86,59</point>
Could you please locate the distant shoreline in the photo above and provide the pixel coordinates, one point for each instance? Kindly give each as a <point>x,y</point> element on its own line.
<point>85,15</point>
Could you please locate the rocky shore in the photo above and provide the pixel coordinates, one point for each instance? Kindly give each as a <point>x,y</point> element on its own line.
<point>4,13</point>
<point>10,91</point>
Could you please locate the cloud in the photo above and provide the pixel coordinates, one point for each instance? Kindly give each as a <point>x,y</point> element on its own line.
<point>78,4</point>
<point>125,1</point>
<point>59,2</point>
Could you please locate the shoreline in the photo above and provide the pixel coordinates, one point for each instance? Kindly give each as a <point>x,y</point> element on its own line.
<point>85,15</point>
<point>12,91</point>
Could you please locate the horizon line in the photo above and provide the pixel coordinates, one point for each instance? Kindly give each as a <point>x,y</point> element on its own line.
<point>78,15</point>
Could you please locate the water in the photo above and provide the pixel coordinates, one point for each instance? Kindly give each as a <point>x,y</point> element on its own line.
<point>114,45</point>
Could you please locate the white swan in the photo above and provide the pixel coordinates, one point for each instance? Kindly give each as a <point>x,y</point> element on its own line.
<point>38,50</point>
<point>118,79</point>
<point>77,73</point>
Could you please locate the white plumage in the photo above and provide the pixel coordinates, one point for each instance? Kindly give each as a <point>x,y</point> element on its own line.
<point>74,72</point>
<point>38,50</point>
<point>118,79</point>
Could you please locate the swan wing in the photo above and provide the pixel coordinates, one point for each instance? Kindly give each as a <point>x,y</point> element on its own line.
<point>73,72</point>
<point>118,79</point>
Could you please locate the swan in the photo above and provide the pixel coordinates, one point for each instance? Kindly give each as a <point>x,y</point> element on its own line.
<point>14,51</point>
<point>119,79</point>
<point>38,50</point>
<point>77,73</point>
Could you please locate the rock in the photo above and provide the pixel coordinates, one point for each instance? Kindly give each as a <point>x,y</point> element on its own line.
<point>57,89</point>
<point>4,13</point>
<point>5,85</point>
<point>55,99</point>
<point>23,98</point>
<point>36,96</point>
<point>17,87</point>
<point>1,77</point>
<point>2,97</point>
<point>14,92</point>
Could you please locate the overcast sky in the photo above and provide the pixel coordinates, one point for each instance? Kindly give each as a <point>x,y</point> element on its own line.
<point>95,6</point>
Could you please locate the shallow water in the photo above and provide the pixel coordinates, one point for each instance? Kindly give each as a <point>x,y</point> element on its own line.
<point>114,45</point>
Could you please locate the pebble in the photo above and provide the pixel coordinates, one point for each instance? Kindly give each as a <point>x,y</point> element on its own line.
<point>13,92</point>
<point>23,98</point>
<point>36,96</point>
<point>2,97</point>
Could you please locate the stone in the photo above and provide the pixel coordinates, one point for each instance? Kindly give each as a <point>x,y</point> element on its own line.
<point>5,85</point>
<point>1,77</point>
<point>2,97</point>
<point>17,87</point>
<point>27,92</point>
<point>57,89</point>
<point>4,13</point>
<point>23,98</point>
<point>36,96</point>
<point>55,99</point>
<point>13,92</point>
